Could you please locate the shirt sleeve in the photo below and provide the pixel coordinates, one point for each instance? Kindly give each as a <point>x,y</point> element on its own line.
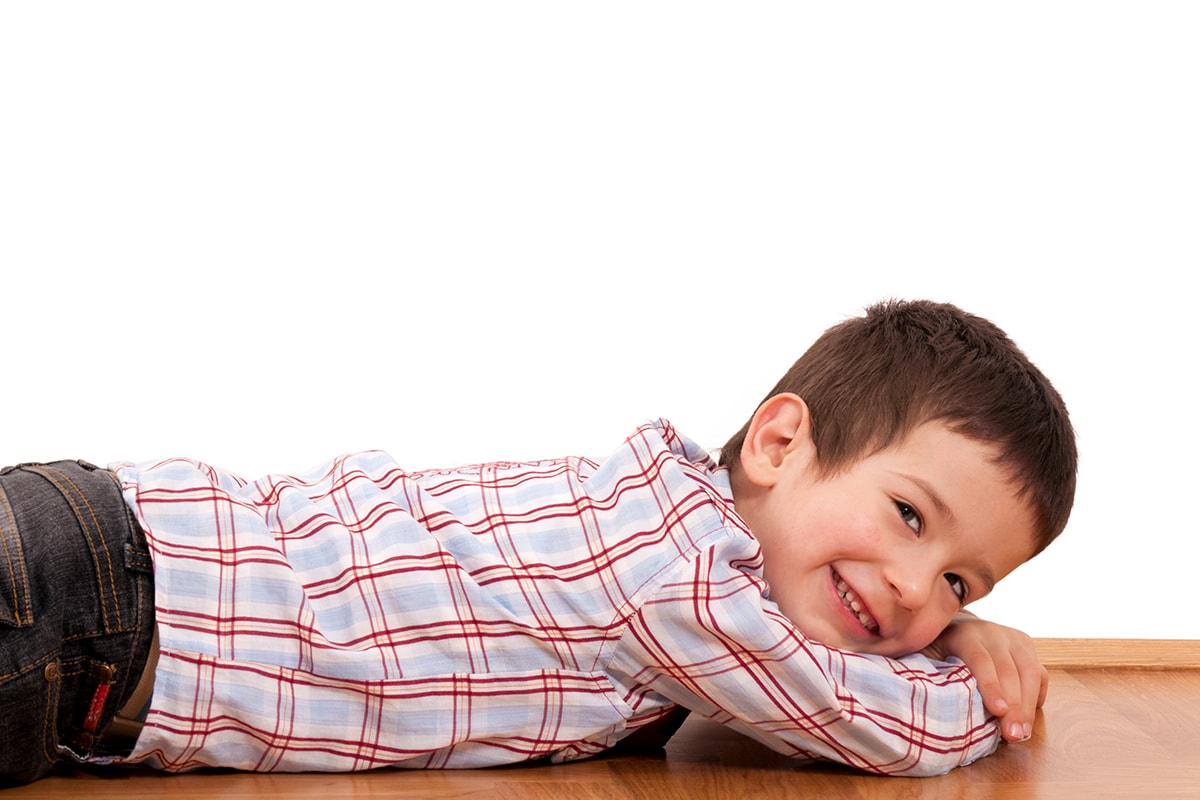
<point>707,639</point>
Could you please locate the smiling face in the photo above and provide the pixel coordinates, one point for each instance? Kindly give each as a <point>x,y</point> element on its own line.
<point>879,556</point>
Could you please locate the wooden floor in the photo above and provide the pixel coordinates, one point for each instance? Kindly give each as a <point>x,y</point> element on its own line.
<point>1122,720</point>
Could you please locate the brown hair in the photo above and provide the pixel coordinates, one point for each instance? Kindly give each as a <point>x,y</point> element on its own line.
<point>870,380</point>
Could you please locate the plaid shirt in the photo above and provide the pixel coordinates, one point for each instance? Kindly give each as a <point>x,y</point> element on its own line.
<point>359,616</point>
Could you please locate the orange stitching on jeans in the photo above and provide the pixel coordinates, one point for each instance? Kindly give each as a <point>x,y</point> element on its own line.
<point>23,670</point>
<point>46,471</point>
<point>20,563</point>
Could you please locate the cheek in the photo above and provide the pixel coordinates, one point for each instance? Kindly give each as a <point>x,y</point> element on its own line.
<point>846,531</point>
<point>925,630</point>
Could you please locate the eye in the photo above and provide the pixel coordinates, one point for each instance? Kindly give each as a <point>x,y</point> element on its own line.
<point>958,585</point>
<point>910,516</point>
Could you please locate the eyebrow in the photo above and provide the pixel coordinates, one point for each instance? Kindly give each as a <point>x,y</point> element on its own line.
<point>983,570</point>
<point>928,490</point>
<point>987,576</point>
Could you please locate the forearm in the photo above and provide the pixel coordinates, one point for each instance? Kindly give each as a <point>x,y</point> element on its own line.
<point>906,717</point>
<point>751,669</point>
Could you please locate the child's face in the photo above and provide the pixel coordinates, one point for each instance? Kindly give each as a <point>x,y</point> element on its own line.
<point>907,535</point>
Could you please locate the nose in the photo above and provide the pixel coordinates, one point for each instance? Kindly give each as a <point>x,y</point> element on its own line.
<point>911,581</point>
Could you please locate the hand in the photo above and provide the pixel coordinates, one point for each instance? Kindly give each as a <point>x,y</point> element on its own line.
<point>1011,680</point>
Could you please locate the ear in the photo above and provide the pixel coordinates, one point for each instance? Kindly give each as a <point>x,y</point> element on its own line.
<point>780,432</point>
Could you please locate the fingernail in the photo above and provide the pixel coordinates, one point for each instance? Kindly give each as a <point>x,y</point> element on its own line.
<point>1015,731</point>
<point>1028,730</point>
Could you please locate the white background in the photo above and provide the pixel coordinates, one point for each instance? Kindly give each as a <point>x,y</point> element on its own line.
<point>262,234</point>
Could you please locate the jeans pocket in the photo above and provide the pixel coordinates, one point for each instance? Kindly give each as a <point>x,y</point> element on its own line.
<point>16,610</point>
<point>28,727</point>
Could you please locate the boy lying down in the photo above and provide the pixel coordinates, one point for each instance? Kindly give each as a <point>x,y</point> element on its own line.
<point>807,588</point>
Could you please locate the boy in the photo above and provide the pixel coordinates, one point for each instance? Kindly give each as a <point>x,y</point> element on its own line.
<point>361,616</point>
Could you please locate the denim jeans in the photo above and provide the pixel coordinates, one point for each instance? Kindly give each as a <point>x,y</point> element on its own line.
<point>76,614</point>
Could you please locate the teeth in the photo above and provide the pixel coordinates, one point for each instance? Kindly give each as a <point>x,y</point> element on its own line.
<point>852,602</point>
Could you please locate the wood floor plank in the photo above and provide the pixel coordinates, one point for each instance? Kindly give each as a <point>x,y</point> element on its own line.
<point>1165,706</point>
<point>1170,654</point>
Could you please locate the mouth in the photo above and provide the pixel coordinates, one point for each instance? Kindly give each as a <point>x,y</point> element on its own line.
<point>855,604</point>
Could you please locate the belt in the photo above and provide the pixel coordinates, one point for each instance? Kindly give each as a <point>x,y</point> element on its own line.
<point>127,724</point>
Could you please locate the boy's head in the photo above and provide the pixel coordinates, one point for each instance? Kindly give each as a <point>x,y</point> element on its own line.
<point>870,380</point>
<point>909,460</point>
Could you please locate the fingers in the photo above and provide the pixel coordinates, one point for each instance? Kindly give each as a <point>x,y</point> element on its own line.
<point>1016,722</point>
<point>1013,686</point>
<point>991,687</point>
<point>1010,678</point>
<point>1023,682</point>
